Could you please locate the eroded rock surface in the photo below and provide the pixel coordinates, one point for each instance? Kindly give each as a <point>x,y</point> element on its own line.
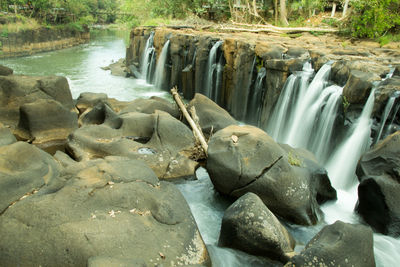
<point>245,159</point>
<point>250,226</point>
<point>339,244</point>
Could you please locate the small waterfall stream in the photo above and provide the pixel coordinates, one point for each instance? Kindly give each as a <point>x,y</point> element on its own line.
<point>160,68</point>
<point>256,97</point>
<point>148,59</point>
<point>214,73</point>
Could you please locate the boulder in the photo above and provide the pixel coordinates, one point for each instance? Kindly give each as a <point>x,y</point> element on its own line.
<point>245,159</point>
<point>160,140</point>
<point>210,115</point>
<point>5,71</point>
<point>6,136</point>
<point>383,92</point>
<point>16,91</point>
<point>379,174</point>
<point>250,226</point>
<point>358,86</point>
<point>89,100</point>
<point>150,105</point>
<point>24,169</point>
<point>339,244</point>
<point>102,261</point>
<point>113,211</point>
<point>101,113</point>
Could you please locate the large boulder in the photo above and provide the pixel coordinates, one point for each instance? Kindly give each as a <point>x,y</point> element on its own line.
<point>339,244</point>
<point>6,136</point>
<point>89,100</point>
<point>358,86</point>
<point>245,159</point>
<point>45,121</point>
<point>150,105</point>
<point>16,91</point>
<point>114,208</point>
<point>5,71</point>
<point>210,115</point>
<point>250,226</point>
<point>24,169</point>
<point>384,91</point>
<point>378,197</point>
<point>160,140</point>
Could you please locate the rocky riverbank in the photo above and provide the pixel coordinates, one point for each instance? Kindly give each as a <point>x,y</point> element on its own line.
<point>103,196</point>
<point>29,42</point>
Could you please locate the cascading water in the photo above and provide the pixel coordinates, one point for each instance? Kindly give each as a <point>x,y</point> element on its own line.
<point>214,73</point>
<point>305,112</point>
<point>148,59</point>
<point>160,69</point>
<point>256,97</point>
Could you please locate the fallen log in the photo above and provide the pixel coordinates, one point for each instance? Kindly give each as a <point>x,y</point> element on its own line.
<point>276,29</point>
<point>196,130</point>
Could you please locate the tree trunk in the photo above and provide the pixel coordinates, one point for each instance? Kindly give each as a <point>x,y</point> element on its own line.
<point>276,11</point>
<point>346,5</point>
<point>333,10</point>
<point>283,13</point>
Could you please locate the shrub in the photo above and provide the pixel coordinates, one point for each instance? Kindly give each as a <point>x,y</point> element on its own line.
<point>374,18</point>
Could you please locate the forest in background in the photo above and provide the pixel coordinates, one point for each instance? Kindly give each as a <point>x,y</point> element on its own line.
<point>358,18</point>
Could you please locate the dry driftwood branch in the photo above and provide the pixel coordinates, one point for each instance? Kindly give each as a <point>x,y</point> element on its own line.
<point>271,28</point>
<point>196,130</point>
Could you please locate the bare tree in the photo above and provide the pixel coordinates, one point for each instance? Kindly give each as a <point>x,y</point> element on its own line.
<point>283,13</point>
<point>346,5</point>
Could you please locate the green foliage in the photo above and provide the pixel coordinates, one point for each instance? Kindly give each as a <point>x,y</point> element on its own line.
<point>4,32</point>
<point>373,18</point>
<point>345,103</point>
<point>388,38</point>
<point>294,160</point>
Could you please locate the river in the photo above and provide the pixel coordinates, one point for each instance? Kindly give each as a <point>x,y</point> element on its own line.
<point>81,65</point>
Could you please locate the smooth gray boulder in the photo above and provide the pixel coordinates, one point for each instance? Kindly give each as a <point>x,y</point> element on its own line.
<point>339,244</point>
<point>112,207</point>
<point>150,105</point>
<point>248,225</point>
<point>245,159</point>
<point>6,136</point>
<point>378,192</point>
<point>23,169</point>
<point>210,115</point>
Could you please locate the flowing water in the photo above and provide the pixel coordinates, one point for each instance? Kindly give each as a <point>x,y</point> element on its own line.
<point>81,65</point>
<point>214,73</point>
<point>160,69</point>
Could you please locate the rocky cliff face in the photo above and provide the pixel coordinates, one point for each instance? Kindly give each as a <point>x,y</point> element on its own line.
<point>33,41</point>
<point>357,66</point>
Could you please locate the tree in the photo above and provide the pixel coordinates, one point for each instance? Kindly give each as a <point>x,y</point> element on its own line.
<point>346,5</point>
<point>283,13</point>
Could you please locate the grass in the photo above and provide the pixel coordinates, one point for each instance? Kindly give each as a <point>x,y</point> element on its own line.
<point>388,38</point>
<point>21,24</point>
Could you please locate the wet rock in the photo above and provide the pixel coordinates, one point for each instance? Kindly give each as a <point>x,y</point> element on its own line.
<point>117,68</point>
<point>378,198</point>
<point>6,136</point>
<point>211,116</point>
<point>16,91</point>
<point>358,86</point>
<point>99,114</point>
<point>150,105</point>
<point>24,168</point>
<point>112,211</point>
<point>285,65</point>
<point>250,226</point>
<point>5,71</point>
<point>297,52</point>
<point>245,159</point>
<point>339,244</point>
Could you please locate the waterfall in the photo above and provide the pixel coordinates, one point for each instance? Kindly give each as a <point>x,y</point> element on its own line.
<point>160,68</point>
<point>387,111</point>
<point>148,59</point>
<point>214,72</point>
<point>305,113</point>
<point>256,98</point>
<point>342,165</point>
<point>302,121</point>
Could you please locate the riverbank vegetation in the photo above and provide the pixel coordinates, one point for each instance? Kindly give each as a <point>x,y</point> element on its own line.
<point>376,19</point>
